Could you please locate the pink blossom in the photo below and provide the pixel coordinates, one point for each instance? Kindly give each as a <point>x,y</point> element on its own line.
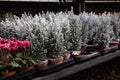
<point>13,39</point>
<point>1,46</point>
<point>5,46</point>
<point>26,43</point>
<point>14,48</point>
<point>19,43</point>
<point>13,43</point>
<point>2,40</point>
<point>6,41</point>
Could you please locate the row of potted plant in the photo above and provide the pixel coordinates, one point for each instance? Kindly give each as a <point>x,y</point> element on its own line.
<point>53,35</point>
<point>14,56</point>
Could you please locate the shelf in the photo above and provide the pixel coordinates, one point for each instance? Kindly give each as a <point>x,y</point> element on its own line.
<point>23,75</point>
<point>79,67</point>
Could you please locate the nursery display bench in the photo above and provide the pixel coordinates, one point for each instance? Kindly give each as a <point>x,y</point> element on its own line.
<point>23,75</point>
<point>79,66</point>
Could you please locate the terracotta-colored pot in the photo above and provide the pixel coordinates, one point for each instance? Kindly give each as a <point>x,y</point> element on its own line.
<point>9,74</point>
<point>56,61</point>
<point>114,43</point>
<point>66,56</point>
<point>101,48</point>
<point>42,63</point>
<point>28,68</point>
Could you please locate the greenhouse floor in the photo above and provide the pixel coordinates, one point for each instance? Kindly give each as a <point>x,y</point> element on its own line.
<point>106,71</point>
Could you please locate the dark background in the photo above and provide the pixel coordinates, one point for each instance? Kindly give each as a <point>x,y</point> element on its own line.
<point>36,7</point>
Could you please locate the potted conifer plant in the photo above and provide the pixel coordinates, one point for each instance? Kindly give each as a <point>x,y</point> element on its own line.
<point>75,36</point>
<point>63,21</point>
<point>92,30</point>
<point>104,32</point>
<point>38,47</point>
<point>55,45</point>
<point>115,22</point>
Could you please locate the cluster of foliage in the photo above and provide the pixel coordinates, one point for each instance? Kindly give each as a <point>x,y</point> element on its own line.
<point>51,34</point>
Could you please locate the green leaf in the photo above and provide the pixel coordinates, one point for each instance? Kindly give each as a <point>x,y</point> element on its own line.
<point>32,62</point>
<point>19,54</point>
<point>14,64</point>
<point>17,59</point>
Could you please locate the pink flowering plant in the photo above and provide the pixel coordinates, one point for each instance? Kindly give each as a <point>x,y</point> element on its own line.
<point>9,54</point>
<point>10,48</point>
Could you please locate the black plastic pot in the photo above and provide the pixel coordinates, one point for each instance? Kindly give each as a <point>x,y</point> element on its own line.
<point>23,75</point>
